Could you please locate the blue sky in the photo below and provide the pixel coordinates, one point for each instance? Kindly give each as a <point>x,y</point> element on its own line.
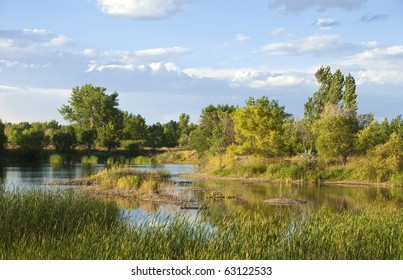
<point>165,57</point>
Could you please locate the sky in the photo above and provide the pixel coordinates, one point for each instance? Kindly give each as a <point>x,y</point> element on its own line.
<point>167,57</point>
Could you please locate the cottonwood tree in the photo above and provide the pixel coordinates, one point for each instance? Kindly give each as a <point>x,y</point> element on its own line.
<point>334,89</point>
<point>95,115</point>
<point>215,131</point>
<point>335,133</point>
<point>259,127</point>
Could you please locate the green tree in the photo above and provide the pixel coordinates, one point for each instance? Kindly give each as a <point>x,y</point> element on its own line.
<point>334,89</point>
<point>171,134</point>
<point>134,127</point>
<point>185,128</point>
<point>3,138</point>
<point>259,127</point>
<point>30,139</point>
<point>384,160</point>
<point>371,136</point>
<point>215,131</point>
<point>94,115</point>
<point>335,133</point>
<point>64,139</point>
<point>155,135</point>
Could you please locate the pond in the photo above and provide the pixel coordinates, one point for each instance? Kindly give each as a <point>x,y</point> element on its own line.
<point>232,195</point>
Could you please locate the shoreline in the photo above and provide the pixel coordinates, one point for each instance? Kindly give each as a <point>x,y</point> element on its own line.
<point>347,183</point>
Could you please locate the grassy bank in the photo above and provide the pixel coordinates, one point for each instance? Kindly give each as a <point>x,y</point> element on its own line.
<point>68,225</point>
<point>299,169</point>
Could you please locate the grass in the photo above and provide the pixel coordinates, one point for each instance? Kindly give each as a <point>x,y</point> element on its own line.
<point>89,159</point>
<point>297,169</point>
<point>126,161</point>
<point>127,179</point>
<point>70,225</point>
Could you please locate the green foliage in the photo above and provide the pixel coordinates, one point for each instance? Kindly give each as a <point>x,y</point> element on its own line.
<point>215,131</point>
<point>95,115</point>
<point>259,128</point>
<point>134,128</point>
<point>64,139</point>
<point>384,161</point>
<point>29,138</point>
<point>57,159</point>
<point>334,89</point>
<point>3,138</point>
<point>89,159</point>
<point>132,146</point>
<point>335,134</point>
<point>128,182</point>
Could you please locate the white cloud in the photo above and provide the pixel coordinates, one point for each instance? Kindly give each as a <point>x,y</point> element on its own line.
<point>377,76</point>
<point>143,9</point>
<point>315,44</point>
<point>325,23</point>
<point>161,52</point>
<point>278,31</point>
<point>278,81</point>
<point>241,38</point>
<point>300,5</point>
<point>27,40</point>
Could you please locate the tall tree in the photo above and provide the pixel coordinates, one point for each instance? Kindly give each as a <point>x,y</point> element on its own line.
<point>334,89</point>
<point>259,127</point>
<point>335,133</point>
<point>94,114</point>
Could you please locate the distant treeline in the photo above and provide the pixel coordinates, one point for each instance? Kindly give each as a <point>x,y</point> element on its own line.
<point>331,128</point>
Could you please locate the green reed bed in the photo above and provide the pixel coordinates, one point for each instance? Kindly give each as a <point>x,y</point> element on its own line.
<point>69,225</point>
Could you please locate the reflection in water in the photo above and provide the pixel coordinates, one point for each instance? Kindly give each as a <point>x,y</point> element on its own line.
<point>238,196</point>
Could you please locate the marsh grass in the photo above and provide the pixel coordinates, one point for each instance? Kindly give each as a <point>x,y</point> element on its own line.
<point>70,225</point>
<point>58,159</point>
<point>126,161</point>
<point>89,159</point>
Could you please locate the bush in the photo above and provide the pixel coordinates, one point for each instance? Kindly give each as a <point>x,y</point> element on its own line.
<point>384,161</point>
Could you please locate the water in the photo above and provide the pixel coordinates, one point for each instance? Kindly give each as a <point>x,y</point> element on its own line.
<point>242,197</point>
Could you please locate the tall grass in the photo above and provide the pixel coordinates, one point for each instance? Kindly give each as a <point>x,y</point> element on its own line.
<point>126,161</point>
<point>68,225</point>
<point>89,159</point>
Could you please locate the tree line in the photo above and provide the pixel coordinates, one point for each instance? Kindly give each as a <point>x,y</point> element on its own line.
<point>331,127</point>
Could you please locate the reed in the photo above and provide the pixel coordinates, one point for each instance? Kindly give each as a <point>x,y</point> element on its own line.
<point>89,159</point>
<point>70,225</point>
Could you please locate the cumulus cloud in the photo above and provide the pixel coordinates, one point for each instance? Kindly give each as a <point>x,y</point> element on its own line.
<point>130,60</point>
<point>143,9</point>
<point>295,6</point>
<point>325,23</point>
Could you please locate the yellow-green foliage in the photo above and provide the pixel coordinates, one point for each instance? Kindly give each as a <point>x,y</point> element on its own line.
<point>89,159</point>
<point>150,186</point>
<point>189,156</point>
<point>128,182</point>
<point>384,161</point>
<point>56,159</point>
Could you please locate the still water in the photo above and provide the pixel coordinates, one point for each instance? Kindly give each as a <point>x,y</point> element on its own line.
<point>239,196</point>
